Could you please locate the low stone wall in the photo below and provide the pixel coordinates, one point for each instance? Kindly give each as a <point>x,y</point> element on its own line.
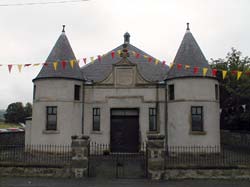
<point>12,138</point>
<point>235,138</point>
<point>35,172</point>
<point>207,174</point>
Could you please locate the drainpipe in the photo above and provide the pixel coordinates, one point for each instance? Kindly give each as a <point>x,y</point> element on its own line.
<point>83,100</point>
<point>166,116</point>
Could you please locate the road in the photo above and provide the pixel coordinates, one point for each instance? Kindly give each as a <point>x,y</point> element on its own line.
<point>51,182</point>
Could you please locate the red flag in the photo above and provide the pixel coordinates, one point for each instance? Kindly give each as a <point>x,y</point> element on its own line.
<point>63,64</point>
<point>112,54</point>
<point>137,55</point>
<point>234,72</point>
<point>84,60</point>
<point>179,66</point>
<point>10,67</point>
<point>214,72</point>
<point>99,58</point>
<point>149,59</point>
<point>163,63</point>
<point>45,64</point>
<point>196,69</point>
<point>26,65</point>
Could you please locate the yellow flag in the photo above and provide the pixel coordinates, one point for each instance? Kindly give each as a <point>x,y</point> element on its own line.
<point>134,53</point>
<point>92,59</point>
<point>19,67</point>
<point>72,62</point>
<point>205,71</point>
<point>187,66</point>
<point>36,64</point>
<point>156,61</point>
<point>239,73</point>
<point>171,65</point>
<point>55,65</point>
<point>119,52</point>
<point>145,56</point>
<point>224,73</point>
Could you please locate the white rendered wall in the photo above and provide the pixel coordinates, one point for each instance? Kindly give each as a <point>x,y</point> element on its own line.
<point>193,92</point>
<point>60,93</point>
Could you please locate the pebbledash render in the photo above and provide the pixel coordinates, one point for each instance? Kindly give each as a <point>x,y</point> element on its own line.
<point>121,98</point>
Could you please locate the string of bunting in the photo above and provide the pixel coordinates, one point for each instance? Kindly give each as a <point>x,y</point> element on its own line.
<point>149,59</point>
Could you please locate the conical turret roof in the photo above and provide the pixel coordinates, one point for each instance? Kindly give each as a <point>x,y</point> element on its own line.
<point>61,51</point>
<point>189,55</point>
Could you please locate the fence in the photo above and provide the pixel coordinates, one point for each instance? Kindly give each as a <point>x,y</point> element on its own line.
<point>35,155</point>
<point>12,138</point>
<point>206,157</point>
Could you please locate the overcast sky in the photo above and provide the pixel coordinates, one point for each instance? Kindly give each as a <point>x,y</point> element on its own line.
<point>28,33</point>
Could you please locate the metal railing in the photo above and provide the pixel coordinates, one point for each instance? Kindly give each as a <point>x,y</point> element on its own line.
<point>35,155</point>
<point>206,157</point>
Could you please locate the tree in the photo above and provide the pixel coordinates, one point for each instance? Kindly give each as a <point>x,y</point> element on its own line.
<point>234,93</point>
<point>16,112</point>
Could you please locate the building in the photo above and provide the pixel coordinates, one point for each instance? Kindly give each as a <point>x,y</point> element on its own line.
<point>122,98</point>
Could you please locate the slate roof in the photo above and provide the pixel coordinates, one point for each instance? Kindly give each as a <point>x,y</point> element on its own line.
<point>189,53</point>
<point>61,51</point>
<point>98,71</point>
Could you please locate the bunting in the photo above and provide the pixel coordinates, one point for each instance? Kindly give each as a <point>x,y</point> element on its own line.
<point>224,73</point>
<point>10,67</point>
<point>63,64</point>
<point>92,59</point>
<point>196,69</point>
<point>72,63</point>
<point>214,72</point>
<point>239,73</point>
<point>55,65</point>
<point>19,66</point>
<point>204,71</point>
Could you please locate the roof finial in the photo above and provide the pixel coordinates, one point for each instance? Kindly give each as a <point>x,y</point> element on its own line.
<point>126,38</point>
<point>188,27</point>
<point>63,30</point>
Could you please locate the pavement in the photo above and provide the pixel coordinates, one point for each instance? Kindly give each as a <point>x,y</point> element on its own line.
<point>94,182</point>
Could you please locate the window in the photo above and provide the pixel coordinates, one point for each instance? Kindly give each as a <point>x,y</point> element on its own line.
<point>216,92</point>
<point>197,118</point>
<point>96,119</point>
<point>77,92</point>
<point>34,92</point>
<point>171,92</point>
<point>152,119</point>
<point>51,118</point>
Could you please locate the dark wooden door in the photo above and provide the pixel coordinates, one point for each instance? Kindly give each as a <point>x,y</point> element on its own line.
<point>124,133</point>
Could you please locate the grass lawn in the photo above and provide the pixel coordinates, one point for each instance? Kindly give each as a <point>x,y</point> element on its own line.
<point>4,125</point>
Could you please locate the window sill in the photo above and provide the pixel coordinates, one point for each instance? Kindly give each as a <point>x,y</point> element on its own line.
<point>96,132</point>
<point>51,132</point>
<point>153,132</point>
<point>198,132</point>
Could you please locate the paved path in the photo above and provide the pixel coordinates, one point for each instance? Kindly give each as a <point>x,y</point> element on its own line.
<point>49,182</point>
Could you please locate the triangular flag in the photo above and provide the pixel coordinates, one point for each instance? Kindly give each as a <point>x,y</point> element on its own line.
<point>85,60</point>
<point>55,65</point>
<point>196,70</point>
<point>214,72</point>
<point>10,67</point>
<point>156,61</point>
<point>239,73</point>
<point>163,63</point>
<point>119,52</point>
<point>187,66</point>
<point>137,55</point>
<point>72,63</point>
<point>247,73</point>
<point>145,56</point>
<point>26,65</point>
<point>63,64</point>
<point>45,64</point>
<point>99,58</point>
<point>134,53</point>
<point>224,73</point>
<point>112,54</point>
<point>234,72</point>
<point>171,65</point>
<point>179,66</point>
<point>36,64</point>
<point>149,59</point>
<point>92,59</point>
<point>19,66</point>
<point>204,71</point>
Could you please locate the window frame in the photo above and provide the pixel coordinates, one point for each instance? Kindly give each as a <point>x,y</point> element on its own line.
<point>34,92</point>
<point>171,92</point>
<point>197,113</point>
<point>96,115</point>
<point>49,125</point>
<point>152,114</point>
<point>77,91</point>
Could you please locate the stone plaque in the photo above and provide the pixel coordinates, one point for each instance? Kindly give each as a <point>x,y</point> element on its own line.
<point>124,76</point>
